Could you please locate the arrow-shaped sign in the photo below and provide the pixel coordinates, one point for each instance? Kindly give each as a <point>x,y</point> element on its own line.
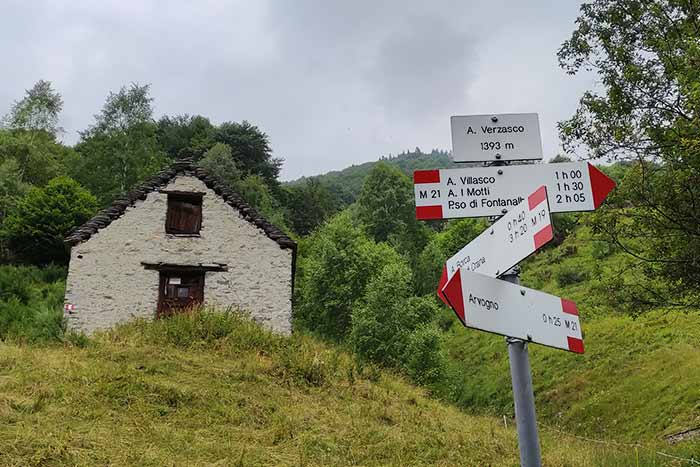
<point>497,306</point>
<point>514,237</point>
<point>487,191</point>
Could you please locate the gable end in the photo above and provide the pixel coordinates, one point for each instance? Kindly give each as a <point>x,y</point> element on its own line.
<point>180,167</point>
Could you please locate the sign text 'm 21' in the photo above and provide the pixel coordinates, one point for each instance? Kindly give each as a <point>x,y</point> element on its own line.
<point>515,236</point>
<point>489,191</point>
<point>497,306</point>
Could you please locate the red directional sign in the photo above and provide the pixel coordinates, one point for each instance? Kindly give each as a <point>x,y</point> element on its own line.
<point>487,191</point>
<point>497,306</point>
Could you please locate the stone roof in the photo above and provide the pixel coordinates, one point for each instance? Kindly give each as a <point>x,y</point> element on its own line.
<point>180,167</point>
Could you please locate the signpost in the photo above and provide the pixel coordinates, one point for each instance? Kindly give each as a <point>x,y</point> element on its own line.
<point>487,191</point>
<point>503,137</point>
<point>468,283</point>
<point>497,306</point>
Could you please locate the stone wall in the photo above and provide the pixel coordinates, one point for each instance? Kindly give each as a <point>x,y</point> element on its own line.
<point>108,283</point>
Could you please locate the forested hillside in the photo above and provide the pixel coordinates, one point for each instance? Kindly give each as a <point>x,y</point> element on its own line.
<point>346,184</point>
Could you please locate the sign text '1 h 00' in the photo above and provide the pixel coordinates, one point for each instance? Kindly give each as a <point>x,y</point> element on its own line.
<point>505,137</point>
<point>497,306</point>
<point>515,236</point>
<point>487,191</point>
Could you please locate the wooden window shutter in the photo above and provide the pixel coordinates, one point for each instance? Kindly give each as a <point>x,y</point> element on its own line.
<point>184,214</point>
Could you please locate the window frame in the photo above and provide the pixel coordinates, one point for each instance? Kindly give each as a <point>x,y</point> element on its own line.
<point>192,279</point>
<point>172,226</point>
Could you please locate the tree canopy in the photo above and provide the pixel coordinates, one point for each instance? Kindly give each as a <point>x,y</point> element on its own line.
<point>38,110</point>
<point>647,56</point>
<point>121,147</point>
<point>36,227</point>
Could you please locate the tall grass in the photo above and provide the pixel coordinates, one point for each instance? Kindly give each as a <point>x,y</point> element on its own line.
<point>214,388</point>
<point>31,303</point>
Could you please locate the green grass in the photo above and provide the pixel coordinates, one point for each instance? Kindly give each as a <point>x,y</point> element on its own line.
<point>638,380</point>
<point>215,389</point>
<point>31,302</point>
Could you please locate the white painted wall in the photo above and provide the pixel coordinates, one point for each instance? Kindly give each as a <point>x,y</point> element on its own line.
<point>108,284</point>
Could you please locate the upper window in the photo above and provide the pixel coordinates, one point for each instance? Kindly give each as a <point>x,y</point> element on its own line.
<point>184,213</point>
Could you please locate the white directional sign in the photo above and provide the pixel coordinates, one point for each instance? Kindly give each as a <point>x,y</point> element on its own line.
<point>503,137</point>
<point>491,191</point>
<point>497,306</point>
<point>516,235</point>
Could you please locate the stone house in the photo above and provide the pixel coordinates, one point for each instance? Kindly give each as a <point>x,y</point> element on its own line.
<point>180,239</point>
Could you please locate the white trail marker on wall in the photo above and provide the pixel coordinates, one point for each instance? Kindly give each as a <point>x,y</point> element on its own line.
<point>503,137</point>
<point>497,306</point>
<point>481,192</point>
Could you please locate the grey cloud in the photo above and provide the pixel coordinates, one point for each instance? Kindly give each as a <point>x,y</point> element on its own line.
<point>332,82</point>
<point>423,68</point>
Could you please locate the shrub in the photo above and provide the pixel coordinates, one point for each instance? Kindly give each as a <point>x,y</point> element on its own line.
<point>30,323</point>
<point>38,223</point>
<point>425,361</point>
<point>380,327</point>
<point>31,300</point>
<point>567,275</point>
<point>392,328</point>
<point>601,249</point>
<point>442,246</point>
<point>14,285</point>
<point>336,263</point>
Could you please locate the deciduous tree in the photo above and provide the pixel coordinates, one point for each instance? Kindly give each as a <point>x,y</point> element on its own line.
<point>251,150</point>
<point>647,59</point>
<point>38,110</point>
<point>121,147</point>
<point>387,210</point>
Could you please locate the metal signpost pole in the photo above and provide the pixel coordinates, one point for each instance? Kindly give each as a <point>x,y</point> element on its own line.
<point>523,395</point>
<point>521,377</point>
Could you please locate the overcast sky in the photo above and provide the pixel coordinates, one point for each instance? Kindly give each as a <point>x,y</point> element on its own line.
<point>331,82</point>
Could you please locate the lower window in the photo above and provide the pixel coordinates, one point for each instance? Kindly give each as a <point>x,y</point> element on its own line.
<point>179,291</point>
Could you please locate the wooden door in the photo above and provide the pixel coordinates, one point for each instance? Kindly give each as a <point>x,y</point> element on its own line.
<point>179,291</point>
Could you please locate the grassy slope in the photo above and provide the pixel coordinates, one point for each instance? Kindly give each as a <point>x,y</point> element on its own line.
<point>220,391</point>
<point>638,380</point>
